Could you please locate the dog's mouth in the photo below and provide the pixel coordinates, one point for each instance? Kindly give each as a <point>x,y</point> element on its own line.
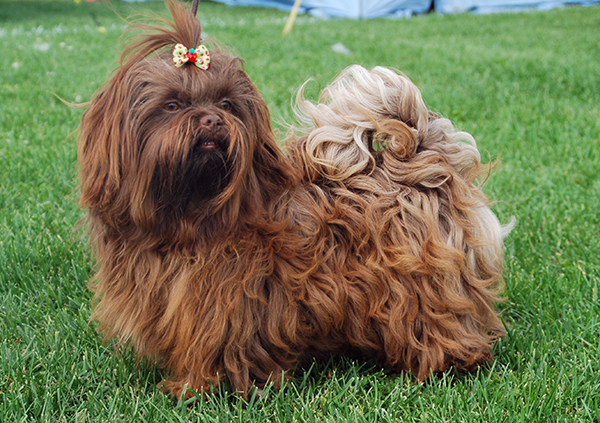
<point>208,144</point>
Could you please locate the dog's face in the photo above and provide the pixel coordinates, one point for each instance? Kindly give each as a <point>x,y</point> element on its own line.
<point>160,144</point>
<point>195,131</point>
<point>176,135</point>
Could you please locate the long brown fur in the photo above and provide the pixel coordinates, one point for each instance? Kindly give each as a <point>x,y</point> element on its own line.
<point>238,261</point>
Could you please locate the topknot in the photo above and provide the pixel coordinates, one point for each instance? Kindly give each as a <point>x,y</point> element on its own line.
<point>184,28</point>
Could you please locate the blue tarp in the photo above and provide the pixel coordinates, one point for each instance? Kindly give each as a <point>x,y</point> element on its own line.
<point>356,9</point>
<point>366,9</point>
<point>492,6</point>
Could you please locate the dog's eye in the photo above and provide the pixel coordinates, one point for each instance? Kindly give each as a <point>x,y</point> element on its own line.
<point>171,106</point>
<point>225,105</point>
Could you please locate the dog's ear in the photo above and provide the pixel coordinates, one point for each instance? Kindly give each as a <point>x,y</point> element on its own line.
<point>103,150</point>
<point>270,162</point>
<point>260,171</point>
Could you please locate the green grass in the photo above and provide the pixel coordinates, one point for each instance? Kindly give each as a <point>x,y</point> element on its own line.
<point>525,85</point>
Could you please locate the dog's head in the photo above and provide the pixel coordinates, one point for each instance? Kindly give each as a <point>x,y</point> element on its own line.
<point>163,147</point>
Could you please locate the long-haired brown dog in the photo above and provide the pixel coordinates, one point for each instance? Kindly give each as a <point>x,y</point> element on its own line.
<point>221,256</point>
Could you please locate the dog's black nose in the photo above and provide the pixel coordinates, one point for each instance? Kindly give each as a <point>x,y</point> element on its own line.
<point>210,122</point>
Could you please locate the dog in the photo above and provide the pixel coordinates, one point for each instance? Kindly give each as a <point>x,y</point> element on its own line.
<point>222,257</point>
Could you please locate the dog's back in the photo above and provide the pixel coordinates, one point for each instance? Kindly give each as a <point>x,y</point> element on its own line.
<point>410,235</point>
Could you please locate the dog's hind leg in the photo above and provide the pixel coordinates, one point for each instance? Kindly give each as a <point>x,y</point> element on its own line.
<point>426,333</point>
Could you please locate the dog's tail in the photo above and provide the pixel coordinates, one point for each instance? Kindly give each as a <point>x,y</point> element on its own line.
<point>365,119</point>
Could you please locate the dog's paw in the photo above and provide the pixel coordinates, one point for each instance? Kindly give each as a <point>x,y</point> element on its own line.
<point>186,389</point>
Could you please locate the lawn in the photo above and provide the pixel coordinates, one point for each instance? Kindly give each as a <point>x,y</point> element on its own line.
<point>526,85</point>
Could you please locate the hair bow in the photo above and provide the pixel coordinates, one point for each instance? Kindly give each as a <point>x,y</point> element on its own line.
<point>198,56</point>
